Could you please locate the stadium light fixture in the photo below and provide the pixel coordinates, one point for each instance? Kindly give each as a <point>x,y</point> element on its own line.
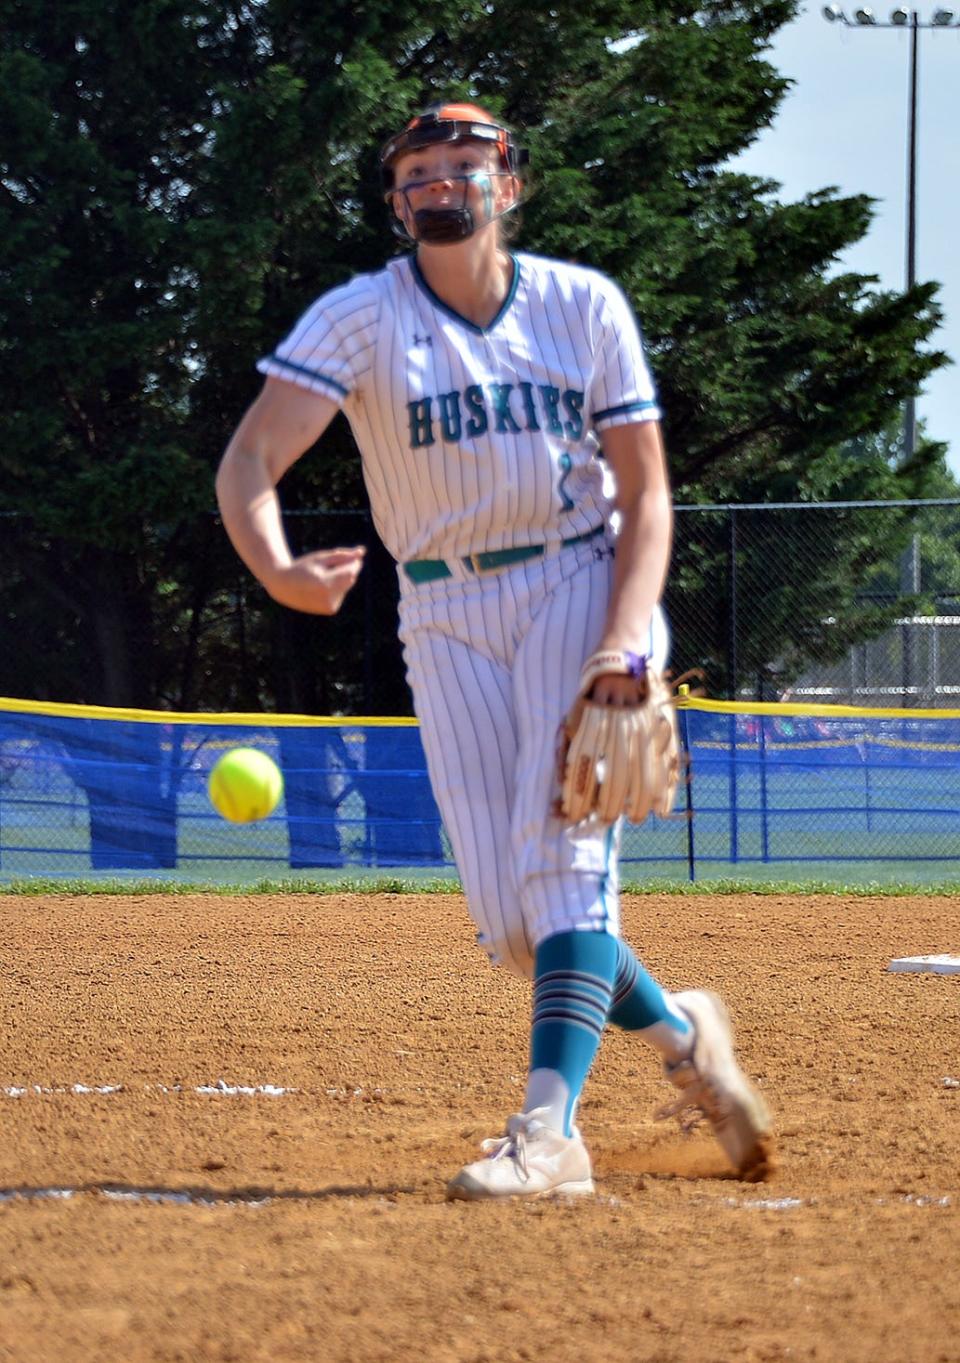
<point>909,19</point>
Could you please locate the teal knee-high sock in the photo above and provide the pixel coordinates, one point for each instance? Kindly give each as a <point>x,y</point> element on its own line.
<point>641,1005</point>
<point>572,992</point>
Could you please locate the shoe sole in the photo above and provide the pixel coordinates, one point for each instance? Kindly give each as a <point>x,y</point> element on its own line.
<point>757,1163</point>
<point>760,1164</point>
<point>474,1192</point>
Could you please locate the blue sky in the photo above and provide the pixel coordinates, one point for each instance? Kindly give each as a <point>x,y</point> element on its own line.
<point>844,123</point>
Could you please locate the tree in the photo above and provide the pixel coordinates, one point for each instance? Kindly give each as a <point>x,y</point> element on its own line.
<point>763,591</point>
<point>920,571</point>
<point>97,445</point>
<point>151,248</point>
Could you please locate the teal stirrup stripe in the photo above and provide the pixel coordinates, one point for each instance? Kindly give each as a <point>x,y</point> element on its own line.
<point>432,569</point>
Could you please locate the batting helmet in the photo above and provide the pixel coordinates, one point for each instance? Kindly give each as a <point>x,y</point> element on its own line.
<point>449,122</point>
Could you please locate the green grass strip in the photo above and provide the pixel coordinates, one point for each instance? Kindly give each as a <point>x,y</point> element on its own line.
<point>400,884</point>
<point>890,888</point>
<point>376,884</point>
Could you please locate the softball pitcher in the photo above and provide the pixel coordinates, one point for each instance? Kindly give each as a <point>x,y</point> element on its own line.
<point>482,386</point>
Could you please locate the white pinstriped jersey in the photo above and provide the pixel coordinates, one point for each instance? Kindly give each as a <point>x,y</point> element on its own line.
<point>476,438</point>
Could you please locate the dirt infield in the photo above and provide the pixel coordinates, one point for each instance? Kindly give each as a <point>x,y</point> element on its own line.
<point>159,1222</point>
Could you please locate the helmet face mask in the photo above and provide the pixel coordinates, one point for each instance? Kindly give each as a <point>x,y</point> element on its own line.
<point>440,226</point>
<point>447,124</point>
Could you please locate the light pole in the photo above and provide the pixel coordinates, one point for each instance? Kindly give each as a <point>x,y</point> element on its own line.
<point>864,18</point>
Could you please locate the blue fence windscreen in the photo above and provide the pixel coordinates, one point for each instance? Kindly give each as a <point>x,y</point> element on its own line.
<point>83,794</point>
<point>770,791</point>
<point>875,788</point>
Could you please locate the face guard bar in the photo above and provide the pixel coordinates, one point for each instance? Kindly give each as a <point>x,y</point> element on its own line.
<point>432,127</point>
<point>440,226</point>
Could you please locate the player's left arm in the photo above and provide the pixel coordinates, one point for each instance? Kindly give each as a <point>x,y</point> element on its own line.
<point>636,455</point>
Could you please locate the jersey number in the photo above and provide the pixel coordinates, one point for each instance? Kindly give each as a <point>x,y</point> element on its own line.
<point>566,465</point>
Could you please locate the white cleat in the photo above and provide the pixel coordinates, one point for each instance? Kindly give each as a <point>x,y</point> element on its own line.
<point>530,1160</point>
<point>712,1083</point>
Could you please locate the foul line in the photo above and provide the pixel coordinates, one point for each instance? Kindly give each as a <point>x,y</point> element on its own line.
<point>220,1089</point>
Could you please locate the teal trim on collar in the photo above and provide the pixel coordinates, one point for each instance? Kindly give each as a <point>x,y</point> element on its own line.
<point>452,312</point>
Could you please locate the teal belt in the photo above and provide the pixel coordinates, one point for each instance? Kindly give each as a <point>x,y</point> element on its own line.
<point>432,569</point>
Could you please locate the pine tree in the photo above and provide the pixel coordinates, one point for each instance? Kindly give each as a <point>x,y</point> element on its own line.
<point>180,178</point>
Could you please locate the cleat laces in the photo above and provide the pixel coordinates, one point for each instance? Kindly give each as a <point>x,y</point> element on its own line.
<point>513,1144</point>
<point>508,1147</point>
<point>689,1114</point>
<point>698,1100</point>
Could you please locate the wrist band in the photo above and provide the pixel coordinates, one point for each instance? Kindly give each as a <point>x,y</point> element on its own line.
<point>617,661</point>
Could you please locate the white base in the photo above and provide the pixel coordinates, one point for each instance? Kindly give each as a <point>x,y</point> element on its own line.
<point>934,965</point>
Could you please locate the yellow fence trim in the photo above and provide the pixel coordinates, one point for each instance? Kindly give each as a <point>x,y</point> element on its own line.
<point>765,707</point>
<point>270,721</point>
<point>210,717</point>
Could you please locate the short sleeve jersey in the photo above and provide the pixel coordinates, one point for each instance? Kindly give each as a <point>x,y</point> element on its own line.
<point>476,438</point>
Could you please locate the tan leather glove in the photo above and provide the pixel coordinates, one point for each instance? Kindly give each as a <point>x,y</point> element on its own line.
<point>619,759</point>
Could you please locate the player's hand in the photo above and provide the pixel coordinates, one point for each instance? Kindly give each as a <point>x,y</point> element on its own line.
<point>613,689</point>
<point>614,756</point>
<point>317,583</point>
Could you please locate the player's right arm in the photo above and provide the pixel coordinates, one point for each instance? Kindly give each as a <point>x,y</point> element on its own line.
<point>281,425</point>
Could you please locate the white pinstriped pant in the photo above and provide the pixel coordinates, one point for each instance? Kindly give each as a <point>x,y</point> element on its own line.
<point>493,660</point>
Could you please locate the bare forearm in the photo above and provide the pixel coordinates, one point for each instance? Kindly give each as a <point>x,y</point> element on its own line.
<point>637,458</point>
<point>314,582</point>
<point>640,569</point>
<point>281,425</point>
<point>251,514</point>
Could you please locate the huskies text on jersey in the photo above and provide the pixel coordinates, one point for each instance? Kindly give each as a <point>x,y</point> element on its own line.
<point>507,408</point>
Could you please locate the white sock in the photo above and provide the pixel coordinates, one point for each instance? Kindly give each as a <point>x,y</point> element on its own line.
<point>547,1089</point>
<point>672,1043</point>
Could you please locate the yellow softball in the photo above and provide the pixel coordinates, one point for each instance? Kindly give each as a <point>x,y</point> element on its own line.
<point>245,785</point>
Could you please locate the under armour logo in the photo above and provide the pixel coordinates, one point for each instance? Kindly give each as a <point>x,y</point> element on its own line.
<point>422,340</point>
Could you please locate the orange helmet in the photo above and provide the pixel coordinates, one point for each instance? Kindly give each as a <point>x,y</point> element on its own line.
<point>451,122</point>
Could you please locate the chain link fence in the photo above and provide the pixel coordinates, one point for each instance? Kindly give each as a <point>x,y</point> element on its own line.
<point>855,603</point>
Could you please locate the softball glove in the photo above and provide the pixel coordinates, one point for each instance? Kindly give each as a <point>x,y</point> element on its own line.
<point>619,760</point>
